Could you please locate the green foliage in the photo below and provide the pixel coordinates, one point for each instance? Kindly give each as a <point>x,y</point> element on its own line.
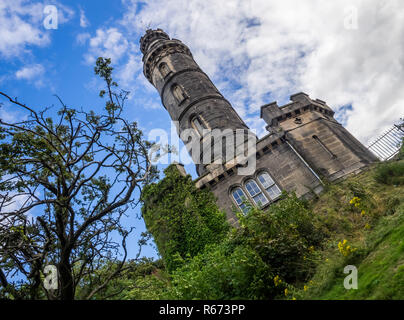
<point>271,251</point>
<point>223,271</point>
<point>139,280</point>
<point>373,215</point>
<point>400,154</point>
<point>390,173</point>
<point>379,263</point>
<point>181,218</point>
<point>284,236</point>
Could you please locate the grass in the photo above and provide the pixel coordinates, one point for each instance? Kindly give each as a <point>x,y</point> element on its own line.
<point>375,227</point>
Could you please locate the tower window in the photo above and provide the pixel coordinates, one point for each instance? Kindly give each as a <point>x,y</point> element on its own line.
<point>240,198</point>
<point>256,193</point>
<point>164,69</point>
<point>178,93</point>
<point>269,185</point>
<point>197,124</point>
<point>317,139</point>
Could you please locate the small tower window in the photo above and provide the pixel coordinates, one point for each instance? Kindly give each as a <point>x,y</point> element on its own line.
<point>240,198</point>
<point>178,93</point>
<point>197,124</point>
<point>317,139</point>
<point>256,193</point>
<point>269,185</point>
<point>164,69</point>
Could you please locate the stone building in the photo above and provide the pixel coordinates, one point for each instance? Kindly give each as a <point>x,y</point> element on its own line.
<point>304,147</point>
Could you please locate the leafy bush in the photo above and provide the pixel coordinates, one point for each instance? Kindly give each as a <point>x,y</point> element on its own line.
<point>181,218</point>
<point>141,279</point>
<point>224,271</point>
<point>270,251</point>
<point>391,173</point>
<point>400,155</point>
<point>284,236</point>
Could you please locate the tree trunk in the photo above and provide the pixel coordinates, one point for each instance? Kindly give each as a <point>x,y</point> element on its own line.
<point>65,279</point>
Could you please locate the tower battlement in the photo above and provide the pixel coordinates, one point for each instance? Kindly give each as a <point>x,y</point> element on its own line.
<point>150,37</point>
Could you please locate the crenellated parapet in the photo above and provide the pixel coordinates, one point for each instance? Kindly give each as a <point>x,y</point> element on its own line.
<point>301,103</point>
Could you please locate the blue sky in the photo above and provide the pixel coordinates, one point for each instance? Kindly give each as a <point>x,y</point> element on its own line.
<point>255,51</point>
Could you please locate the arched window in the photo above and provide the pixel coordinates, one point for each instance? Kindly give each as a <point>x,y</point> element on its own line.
<point>256,193</point>
<point>197,124</point>
<point>269,185</point>
<point>164,69</point>
<point>178,93</point>
<point>240,198</point>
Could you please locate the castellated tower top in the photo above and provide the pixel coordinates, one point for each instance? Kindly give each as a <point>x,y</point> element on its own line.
<point>151,37</point>
<point>156,43</point>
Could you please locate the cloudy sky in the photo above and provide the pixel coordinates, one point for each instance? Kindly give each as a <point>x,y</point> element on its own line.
<point>349,53</point>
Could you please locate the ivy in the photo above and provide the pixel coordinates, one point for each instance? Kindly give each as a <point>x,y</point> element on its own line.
<point>181,218</point>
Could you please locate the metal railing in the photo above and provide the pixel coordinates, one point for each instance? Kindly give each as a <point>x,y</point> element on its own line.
<point>387,145</point>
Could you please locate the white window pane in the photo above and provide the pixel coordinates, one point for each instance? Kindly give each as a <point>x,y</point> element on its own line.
<point>237,197</point>
<point>243,208</point>
<point>260,199</point>
<point>240,198</point>
<point>274,191</point>
<point>266,180</point>
<point>252,188</point>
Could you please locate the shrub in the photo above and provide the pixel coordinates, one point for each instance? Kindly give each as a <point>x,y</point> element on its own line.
<point>224,271</point>
<point>181,218</point>
<point>284,236</point>
<point>391,173</point>
<point>270,250</point>
<point>400,155</point>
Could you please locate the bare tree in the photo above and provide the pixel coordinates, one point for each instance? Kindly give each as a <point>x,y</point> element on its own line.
<point>66,182</point>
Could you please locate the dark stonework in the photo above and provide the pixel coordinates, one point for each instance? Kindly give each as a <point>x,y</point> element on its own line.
<point>170,67</point>
<point>305,143</point>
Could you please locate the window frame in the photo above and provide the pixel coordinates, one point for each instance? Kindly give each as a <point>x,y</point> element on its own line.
<point>258,194</point>
<point>193,124</point>
<point>179,93</point>
<point>242,206</point>
<point>274,184</point>
<point>168,70</point>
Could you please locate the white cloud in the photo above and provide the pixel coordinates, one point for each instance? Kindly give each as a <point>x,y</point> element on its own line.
<point>84,23</point>
<point>109,43</point>
<point>16,202</point>
<point>21,26</point>
<point>32,73</point>
<point>272,49</point>
<point>8,116</point>
<point>82,38</point>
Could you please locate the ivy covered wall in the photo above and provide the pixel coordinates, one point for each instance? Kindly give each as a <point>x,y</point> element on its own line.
<point>181,218</point>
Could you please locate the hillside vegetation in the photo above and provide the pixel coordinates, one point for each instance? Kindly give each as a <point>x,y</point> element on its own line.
<point>295,250</point>
<point>374,228</point>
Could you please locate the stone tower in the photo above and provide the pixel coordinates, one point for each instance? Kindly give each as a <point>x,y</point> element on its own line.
<point>187,93</point>
<point>305,144</point>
